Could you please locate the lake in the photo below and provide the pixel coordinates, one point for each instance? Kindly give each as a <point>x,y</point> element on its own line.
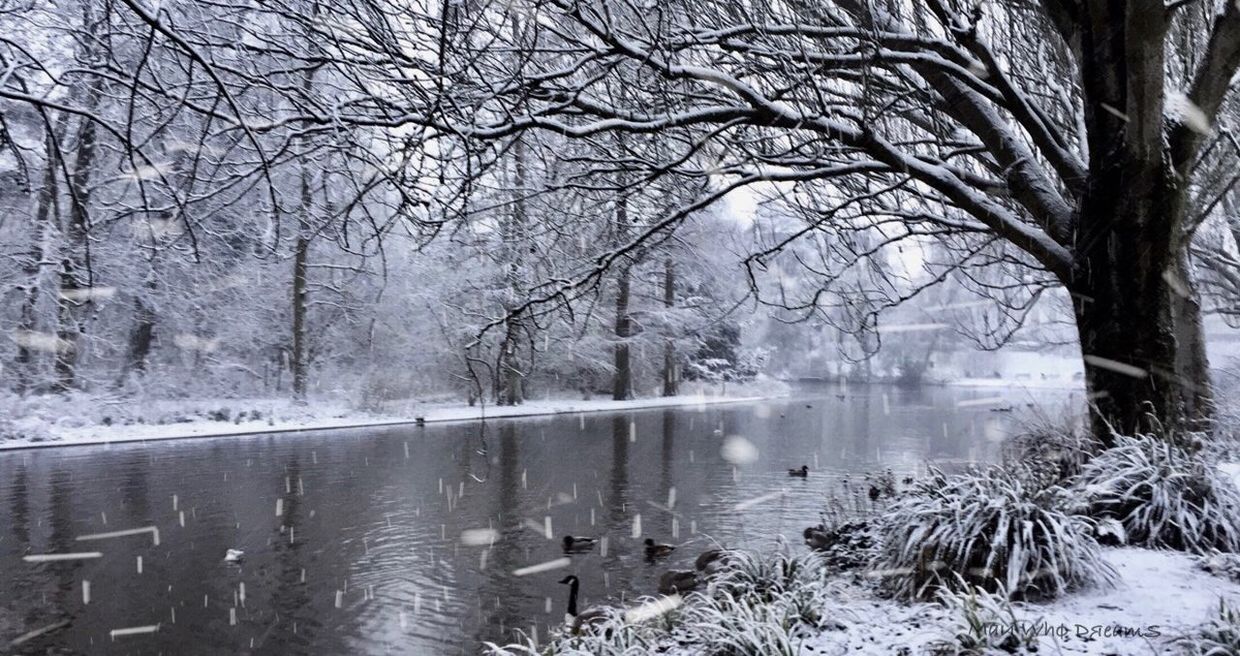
<point>410,540</point>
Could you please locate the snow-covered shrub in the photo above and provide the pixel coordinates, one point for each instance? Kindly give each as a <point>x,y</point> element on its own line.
<point>1218,637</point>
<point>986,529</point>
<point>1164,495</point>
<point>984,623</point>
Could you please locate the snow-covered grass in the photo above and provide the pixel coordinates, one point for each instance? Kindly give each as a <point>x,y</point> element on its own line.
<point>74,419</point>
<point>1218,637</point>
<point>1163,495</point>
<point>986,529</point>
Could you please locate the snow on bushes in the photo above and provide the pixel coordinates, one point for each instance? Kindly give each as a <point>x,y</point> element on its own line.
<point>1163,495</point>
<point>990,530</point>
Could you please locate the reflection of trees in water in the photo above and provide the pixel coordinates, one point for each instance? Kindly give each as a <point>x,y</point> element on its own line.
<point>67,596</point>
<point>290,598</point>
<point>500,594</point>
<point>136,488</point>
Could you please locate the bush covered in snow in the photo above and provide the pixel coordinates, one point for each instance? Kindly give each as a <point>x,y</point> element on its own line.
<point>990,530</point>
<point>1163,495</point>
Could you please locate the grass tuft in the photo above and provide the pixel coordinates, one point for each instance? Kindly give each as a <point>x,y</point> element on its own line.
<point>989,530</point>
<point>1164,496</point>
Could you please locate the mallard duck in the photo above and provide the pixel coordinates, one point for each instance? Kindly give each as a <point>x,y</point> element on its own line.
<point>585,619</point>
<point>578,543</point>
<point>712,561</point>
<point>657,550</point>
<point>677,581</point>
<point>234,556</point>
<point>802,472</point>
<point>816,537</point>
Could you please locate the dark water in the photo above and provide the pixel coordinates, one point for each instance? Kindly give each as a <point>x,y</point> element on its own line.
<point>366,556</point>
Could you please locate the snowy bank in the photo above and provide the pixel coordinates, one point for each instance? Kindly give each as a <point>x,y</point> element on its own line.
<point>1160,596</point>
<point>54,423</point>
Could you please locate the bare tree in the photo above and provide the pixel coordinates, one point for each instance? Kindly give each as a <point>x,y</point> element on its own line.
<point>1053,134</point>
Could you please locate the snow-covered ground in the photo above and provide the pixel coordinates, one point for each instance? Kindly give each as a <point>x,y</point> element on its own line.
<point>1160,595</point>
<point>60,423</point>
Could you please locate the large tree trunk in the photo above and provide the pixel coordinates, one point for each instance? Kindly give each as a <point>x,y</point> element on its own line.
<point>671,377</point>
<point>1137,311</point>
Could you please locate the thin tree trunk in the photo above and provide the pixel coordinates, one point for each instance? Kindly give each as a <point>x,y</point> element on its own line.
<point>671,377</point>
<point>510,374</point>
<point>75,275</point>
<point>142,334</point>
<point>622,381</point>
<point>297,361</point>
<point>47,213</point>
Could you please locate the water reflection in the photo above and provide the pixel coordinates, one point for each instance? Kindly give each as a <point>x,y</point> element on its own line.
<point>352,539</point>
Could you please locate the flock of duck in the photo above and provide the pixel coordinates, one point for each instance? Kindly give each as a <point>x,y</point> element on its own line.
<point>670,582</point>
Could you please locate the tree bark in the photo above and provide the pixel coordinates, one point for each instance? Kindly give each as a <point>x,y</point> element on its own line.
<point>142,334</point>
<point>75,275</point>
<point>47,214</point>
<point>297,362</point>
<point>1137,311</point>
<point>671,377</point>
<point>622,381</point>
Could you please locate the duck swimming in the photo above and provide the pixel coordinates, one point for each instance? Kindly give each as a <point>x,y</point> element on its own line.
<point>585,619</point>
<point>578,544</point>
<point>802,472</point>
<point>677,581</point>
<point>657,550</point>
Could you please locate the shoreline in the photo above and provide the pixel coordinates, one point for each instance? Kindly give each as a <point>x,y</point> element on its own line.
<point>444,415</point>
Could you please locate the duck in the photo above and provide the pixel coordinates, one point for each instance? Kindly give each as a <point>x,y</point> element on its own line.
<point>572,544</point>
<point>677,581</point>
<point>816,537</point>
<point>585,619</point>
<point>712,560</point>
<point>802,472</point>
<point>658,550</point>
<point>875,493</point>
<point>234,556</point>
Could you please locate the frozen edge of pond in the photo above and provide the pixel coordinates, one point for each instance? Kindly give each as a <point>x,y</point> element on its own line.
<point>102,435</point>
